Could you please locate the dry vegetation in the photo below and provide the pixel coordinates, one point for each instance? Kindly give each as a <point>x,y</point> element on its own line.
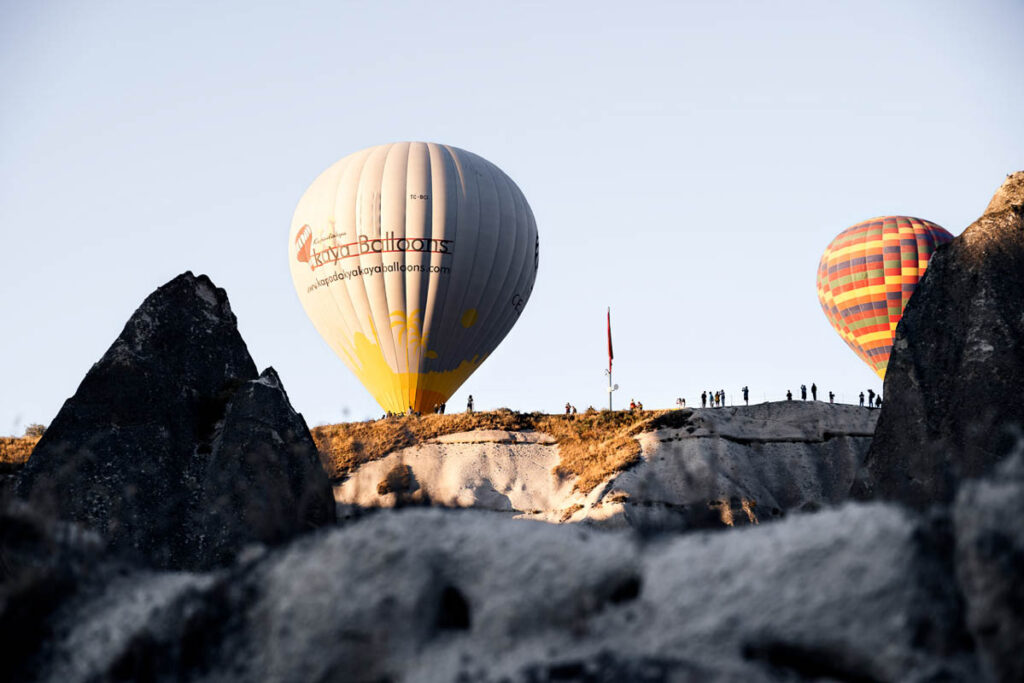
<point>593,444</point>
<point>14,450</point>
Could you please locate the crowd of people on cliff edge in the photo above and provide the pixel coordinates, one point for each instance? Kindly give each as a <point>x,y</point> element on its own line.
<point>874,401</point>
<point>712,399</point>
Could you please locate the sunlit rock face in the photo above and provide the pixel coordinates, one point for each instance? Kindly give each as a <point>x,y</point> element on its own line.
<point>954,390</point>
<point>173,447</point>
<point>704,468</point>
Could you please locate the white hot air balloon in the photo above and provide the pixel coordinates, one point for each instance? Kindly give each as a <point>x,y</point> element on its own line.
<point>413,260</point>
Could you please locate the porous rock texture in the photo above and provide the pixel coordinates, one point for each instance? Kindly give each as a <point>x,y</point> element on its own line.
<point>173,448</point>
<point>954,388</point>
<point>703,466</point>
<point>864,592</point>
<point>990,565</point>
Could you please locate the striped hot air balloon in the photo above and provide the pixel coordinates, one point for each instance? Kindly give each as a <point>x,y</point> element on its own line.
<point>413,260</point>
<point>866,277</point>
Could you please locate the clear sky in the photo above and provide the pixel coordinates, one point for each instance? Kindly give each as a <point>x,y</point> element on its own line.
<point>687,163</point>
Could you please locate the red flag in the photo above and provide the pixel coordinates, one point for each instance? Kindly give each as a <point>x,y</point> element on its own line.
<point>610,355</point>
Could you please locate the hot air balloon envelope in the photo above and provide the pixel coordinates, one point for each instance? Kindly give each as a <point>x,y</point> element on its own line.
<point>867,275</point>
<point>413,260</point>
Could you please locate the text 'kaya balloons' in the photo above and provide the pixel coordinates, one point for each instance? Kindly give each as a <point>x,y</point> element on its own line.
<point>866,277</point>
<point>413,260</point>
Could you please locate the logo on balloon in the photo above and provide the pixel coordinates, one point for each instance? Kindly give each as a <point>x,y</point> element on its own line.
<point>388,243</point>
<point>303,244</point>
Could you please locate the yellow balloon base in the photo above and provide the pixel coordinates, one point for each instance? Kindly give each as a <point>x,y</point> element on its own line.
<point>397,392</point>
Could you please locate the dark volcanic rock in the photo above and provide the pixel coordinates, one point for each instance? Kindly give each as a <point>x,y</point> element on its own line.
<point>44,565</point>
<point>263,481</point>
<point>129,453</point>
<point>990,566</point>
<point>954,389</point>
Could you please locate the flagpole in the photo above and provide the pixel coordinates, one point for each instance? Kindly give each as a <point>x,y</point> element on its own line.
<point>611,387</point>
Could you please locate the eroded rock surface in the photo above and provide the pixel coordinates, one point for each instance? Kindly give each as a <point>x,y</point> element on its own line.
<point>263,480</point>
<point>954,402</point>
<point>859,593</point>
<point>740,465</point>
<point>139,453</point>
<point>990,565</point>
<point>714,466</point>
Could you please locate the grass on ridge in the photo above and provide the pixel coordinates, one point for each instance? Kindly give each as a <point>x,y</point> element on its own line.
<point>14,451</point>
<point>592,444</point>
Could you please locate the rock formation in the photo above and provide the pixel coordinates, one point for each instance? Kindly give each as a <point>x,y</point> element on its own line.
<point>990,564</point>
<point>700,469</point>
<point>954,389</point>
<point>864,592</point>
<point>173,448</point>
<point>263,480</point>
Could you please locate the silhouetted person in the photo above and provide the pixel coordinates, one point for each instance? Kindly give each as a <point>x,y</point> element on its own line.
<point>703,399</point>
<point>831,397</point>
<point>746,395</point>
<point>568,408</point>
<point>871,398</point>
<point>789,395</point>
<point>574,411</point>
<point>803,392</point>
<point>878,401</point>
<point>862,399</point>
<point>722,392</point>
<point>469,404</point>
<point>680,402</point>
<point>814,391</point>
<point>443,407</point>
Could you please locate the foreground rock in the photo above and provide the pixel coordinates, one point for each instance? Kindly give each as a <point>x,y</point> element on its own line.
<point>954,402</point>
<point>701,469</point>
<point>990,566</point>
<point>161,445</point>
<point>860,593</point>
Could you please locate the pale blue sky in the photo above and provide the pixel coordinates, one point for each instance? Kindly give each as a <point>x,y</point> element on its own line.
<point>687,163</point>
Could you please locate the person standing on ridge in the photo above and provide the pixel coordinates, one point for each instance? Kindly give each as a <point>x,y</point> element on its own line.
<point>568,408</point>
<point>862,399</point>
<point>789,395</point>
<point>746,395</point>
<point>831,397</point>
<point>469,404</point>
<point>878,401</point>
<point>871,398</point>
<point>803,392</point>
<point>814,391</point>
<point>703,399</point>
<point>722,392</point>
